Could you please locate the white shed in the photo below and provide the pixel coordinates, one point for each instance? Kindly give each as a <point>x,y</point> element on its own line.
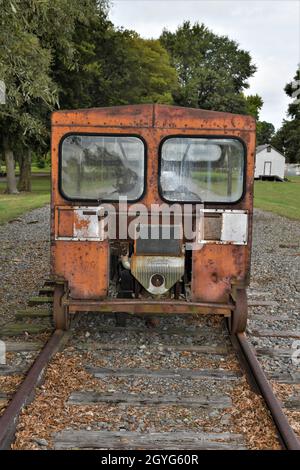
<point>269,163</point>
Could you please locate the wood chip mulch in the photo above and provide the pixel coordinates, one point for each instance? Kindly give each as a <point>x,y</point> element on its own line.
<point>9,385</point>
<point>284,391</point>
<point>252,418</point>
<point>49,413</point>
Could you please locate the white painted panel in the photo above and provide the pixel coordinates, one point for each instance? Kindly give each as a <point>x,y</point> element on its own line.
<point>234,228</point>
<point>87,225</point>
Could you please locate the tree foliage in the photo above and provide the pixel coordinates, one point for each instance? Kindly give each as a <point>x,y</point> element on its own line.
<point>287,138</point>
<point>141,71</point>
<point>213,73</point>
<point>292,89</point>
<point>117,67</point>
<point>264,132</point>
<point>254,103</point>
<point>212,70</point>
<point>24,67</point>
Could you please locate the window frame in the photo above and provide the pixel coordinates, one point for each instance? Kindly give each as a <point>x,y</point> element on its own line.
<point>96,134</point>
<point>203,136</point>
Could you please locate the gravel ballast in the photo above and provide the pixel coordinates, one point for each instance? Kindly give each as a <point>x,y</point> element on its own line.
<point>275,277</point>
<point>24,260</point>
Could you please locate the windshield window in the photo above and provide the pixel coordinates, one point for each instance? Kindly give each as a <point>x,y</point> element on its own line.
<point>198,169</point>
<point>102,167</point>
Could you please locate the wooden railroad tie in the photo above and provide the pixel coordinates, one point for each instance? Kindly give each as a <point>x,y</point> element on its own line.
<point>19,328</point>
<point>131,399</point>
<point>32,313</point>
<point>215,374</point>
<point>77,439</point>
<point>218,349</point>
<point>40,300</point>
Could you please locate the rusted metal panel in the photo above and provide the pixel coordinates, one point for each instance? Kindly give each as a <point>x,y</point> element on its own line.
<point>215,268</point>
<point>65,222</point>
<point>85,265</point>
<point>117,116</point>
<point>212,227</point>
<point>148,115</point>
<point>168,117</point>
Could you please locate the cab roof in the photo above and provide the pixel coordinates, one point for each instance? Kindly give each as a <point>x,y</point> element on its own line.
<point>152,115</point>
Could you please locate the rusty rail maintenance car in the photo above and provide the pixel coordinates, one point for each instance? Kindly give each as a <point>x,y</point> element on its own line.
<point>151,212</point>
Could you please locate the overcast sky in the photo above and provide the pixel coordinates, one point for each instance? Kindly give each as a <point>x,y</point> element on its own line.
<point>268,29</point>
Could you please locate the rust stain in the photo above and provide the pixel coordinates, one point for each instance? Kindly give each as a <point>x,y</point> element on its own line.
<point>80,223</point>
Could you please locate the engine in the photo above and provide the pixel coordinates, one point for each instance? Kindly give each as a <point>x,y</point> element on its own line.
<point>158,260</point>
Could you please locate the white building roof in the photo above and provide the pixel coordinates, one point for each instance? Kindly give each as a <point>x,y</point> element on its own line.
<point>259,148</point>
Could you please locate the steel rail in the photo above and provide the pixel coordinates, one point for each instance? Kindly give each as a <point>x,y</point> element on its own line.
<point>287,435</point>
<point>25,392</point>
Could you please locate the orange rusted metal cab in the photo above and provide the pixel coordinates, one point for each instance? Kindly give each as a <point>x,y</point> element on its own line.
<point>151,211</point>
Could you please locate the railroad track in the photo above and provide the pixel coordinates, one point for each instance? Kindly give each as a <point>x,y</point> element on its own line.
<point>175,386</point>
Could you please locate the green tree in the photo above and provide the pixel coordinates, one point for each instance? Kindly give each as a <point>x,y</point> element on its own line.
<point>287,138</point>
<point>254,103</point>
<point>292,89</point>
<point>24,67</point>
<point>39,47</point>
<point>117,67</point>
<point>264,132</point>
<point>134,71</point>
<point>71,34</point>
<point>95,64</point>
<point>212,70</point>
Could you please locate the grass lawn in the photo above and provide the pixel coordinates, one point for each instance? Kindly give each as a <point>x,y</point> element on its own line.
<point>281,198</point>
<point>12,206</point>
<point>34,169</point>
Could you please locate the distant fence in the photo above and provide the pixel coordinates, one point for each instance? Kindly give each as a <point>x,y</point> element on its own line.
<point>292,169</point>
